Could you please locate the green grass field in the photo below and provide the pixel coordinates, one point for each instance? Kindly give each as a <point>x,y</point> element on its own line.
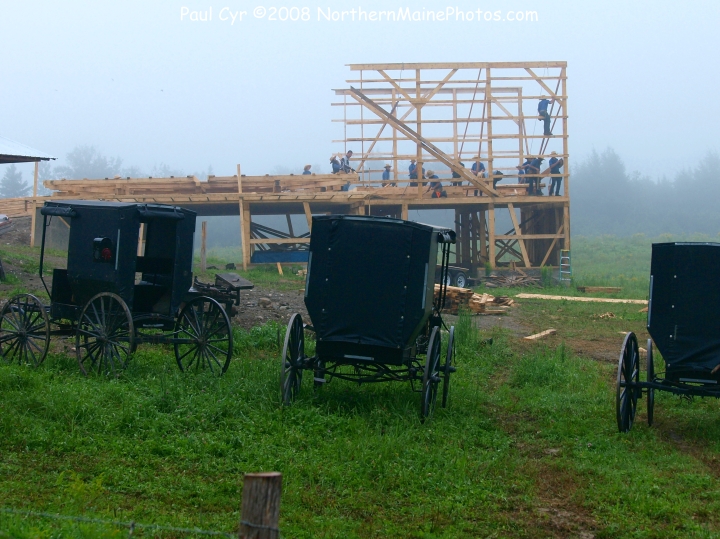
<point>528,447</point>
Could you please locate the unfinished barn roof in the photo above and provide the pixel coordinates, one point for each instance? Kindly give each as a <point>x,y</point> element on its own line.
<point>14,152</point>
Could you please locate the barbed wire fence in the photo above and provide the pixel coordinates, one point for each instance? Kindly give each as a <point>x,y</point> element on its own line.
<point>259,519</point>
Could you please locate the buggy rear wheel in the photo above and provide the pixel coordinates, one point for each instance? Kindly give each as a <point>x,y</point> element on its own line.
<point>203,337</point>
<point>431,375</point>
<point>650,378</point>
<point>293,356</point>
<point>105,336</point>
<point>448,367</point>
<point>460,279</point>
<point>24,330</point>
<point>627,390</point>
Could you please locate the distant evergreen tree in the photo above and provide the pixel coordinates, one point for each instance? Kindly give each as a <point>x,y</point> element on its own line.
<point>12,184</point>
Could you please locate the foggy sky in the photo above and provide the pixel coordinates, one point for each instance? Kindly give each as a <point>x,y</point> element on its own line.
<point>134,80</point>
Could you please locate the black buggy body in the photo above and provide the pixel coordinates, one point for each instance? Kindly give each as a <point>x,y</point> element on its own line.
<point>370,294</point>
<point>128,280</point>
<point>103,256</point>
<point>684,324</point>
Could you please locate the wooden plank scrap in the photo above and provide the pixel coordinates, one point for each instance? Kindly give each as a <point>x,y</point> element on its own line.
<point>541,335</point>
<point>573,298</point>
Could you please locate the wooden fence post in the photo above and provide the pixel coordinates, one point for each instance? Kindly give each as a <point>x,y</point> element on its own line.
<point>260,513</point>
<point>203,242</point>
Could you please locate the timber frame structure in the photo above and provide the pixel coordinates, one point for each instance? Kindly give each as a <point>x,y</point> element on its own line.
<point>443,115</point>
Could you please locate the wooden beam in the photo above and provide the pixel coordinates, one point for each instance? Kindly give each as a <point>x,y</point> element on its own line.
<point>308,215</point>
<point>491,235</point>
<point>426,145</point>
<point>246,220</point>
<point>540,335</point>
<point>518,233</point>
<point>552,245</point>
<point>35,178</point>
<point>454,65</point>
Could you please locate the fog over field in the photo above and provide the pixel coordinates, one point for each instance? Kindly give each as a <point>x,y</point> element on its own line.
<point>191,87</point>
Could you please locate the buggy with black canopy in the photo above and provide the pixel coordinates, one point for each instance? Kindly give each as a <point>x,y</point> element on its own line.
<point>128,281</point>
<point>370,294</point>
<point>683,323</point>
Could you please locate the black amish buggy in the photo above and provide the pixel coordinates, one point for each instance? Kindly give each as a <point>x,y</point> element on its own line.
<point>684,324</point>
<point>370,294</point>
<point>111,298</point>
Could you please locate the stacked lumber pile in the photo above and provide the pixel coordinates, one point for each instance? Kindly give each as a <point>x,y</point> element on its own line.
<point>16,207</point>
<point>511,281</point>
<point>475,303</point>
<point>190,185</point>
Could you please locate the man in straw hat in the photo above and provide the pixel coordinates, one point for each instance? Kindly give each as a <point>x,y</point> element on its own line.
<point>435,186</point>
<point>478,169</point>
<point>386,176</point>
<point>335,164</point>
<point>555,166</point>
<point>306,169</point>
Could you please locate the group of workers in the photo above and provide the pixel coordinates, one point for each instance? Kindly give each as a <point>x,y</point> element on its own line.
<point>529,172</point>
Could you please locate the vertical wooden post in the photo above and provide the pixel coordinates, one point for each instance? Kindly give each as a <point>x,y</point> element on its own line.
<point>141,242</point>
<point>260,513</point>
<point>203,246</point>
<point>482,232</point>
<point>404,214</point>
<point>241,208</point>
<point>418,113</point>
<point>35,178</point>
<point>32,223</point>
<point>491,235</point>
<point>308,215</point>
<point>488,99</point>
<point>245,228</point>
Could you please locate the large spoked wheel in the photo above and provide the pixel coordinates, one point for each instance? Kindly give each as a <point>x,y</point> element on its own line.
<point>650,378</point>
<point>105,335</point>
<point>431,375</point>
<point>293,357</point>
<point>203,337</point>
<point>628,378</point>
<point>24,330</point>
<point>460,280</point>
<point>448,368</point>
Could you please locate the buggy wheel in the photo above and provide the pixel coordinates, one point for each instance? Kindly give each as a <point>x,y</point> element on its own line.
<point>460,279</point>
<point>627,390</point>
<point>292,359</point>
<point>650,378</point>
<point>105,335</point>
<point>448,367</point>
<point>203,337</point>
<point>24,330</point>
<point>431,376</point>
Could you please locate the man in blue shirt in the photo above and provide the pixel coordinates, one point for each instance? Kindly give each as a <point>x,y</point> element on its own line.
<point>345,163</point>
<point>386,177</point>
<point>335,164</point>
<point>555,166</point>
<point>532,171</point>
<point>307,168</point>
<point>412,169</point>
<point>435,186</point>
<point>543,113</point>
<point>455,175</point>
<point>478,169</point>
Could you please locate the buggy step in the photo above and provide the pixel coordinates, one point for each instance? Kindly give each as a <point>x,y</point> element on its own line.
<point>320,380</point>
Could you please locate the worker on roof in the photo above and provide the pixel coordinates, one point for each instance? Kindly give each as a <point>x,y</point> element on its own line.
<point>386,176</point>
<point>345,163</point>
<point>335,164</point>
<point>435,186</point>
<point>532,173</point>
<point>555,166</point>
<point>544,116</point>
<point>412,169</point>
<point>478,169</point>
<point>306,169</point>
<point>455,175</point>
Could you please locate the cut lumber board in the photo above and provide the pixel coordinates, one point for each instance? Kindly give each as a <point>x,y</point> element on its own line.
<point>541,335</point>
<point>595,289</point>
<point>573,298</point>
